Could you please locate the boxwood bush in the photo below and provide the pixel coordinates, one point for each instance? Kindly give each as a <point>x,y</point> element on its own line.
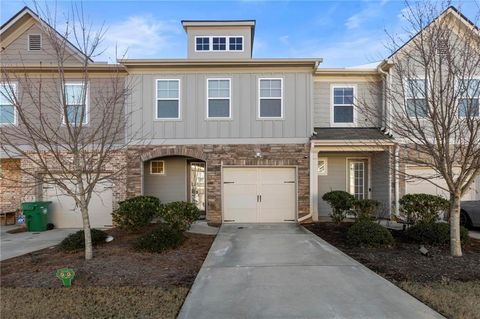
<point>179,215</point>
<point>422,207</point>
<point>341,203</point>
<point>368,233</point>
<point>365,208</point>
<point>163,237</point>
<point>76,241</point>
<point>136,212</point>
<point>434,233</point>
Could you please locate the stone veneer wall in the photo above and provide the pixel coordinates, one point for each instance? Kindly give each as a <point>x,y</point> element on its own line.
<point>217,156</point>
<point>10,185</point>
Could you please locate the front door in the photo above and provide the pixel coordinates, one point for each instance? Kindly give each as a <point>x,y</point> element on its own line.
<point>358,178</point>
<point>197,184</point>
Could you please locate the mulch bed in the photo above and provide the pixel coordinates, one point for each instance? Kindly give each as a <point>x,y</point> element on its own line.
<point>114,264</point>
<point>403,261</point>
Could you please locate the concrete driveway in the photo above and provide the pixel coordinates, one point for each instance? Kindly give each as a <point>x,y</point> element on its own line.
<point>13,245</point>
<point>284,271</point>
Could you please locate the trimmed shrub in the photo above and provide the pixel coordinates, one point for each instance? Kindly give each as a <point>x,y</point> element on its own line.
<point>163,237</point>
<point>76,241</point>
<point>136,212</point>
<point>422,207</point>
<point>341,203</point>
<point>369,233</point>
<point>365,209</point>
<point>179,215</point>
<point>434,233</point>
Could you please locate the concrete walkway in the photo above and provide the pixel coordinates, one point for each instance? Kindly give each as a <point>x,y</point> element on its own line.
<point>13,245</point>
<point>284,271</point>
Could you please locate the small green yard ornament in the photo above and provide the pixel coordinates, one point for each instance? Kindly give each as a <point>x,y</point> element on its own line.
<point>66,276</point>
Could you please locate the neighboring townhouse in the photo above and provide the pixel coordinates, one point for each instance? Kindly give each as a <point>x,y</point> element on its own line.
<point>30,66</point>
<point>223,129</point>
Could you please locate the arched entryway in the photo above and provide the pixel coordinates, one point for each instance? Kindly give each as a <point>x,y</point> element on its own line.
<point>176,178</point>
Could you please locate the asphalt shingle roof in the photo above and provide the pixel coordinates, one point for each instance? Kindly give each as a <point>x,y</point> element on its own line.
<point>356,133</point>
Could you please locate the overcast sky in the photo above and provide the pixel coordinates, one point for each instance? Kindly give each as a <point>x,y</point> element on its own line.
<point>343,33</point>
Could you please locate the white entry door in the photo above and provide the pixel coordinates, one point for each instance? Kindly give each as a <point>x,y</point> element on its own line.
<point>259,195</point>
<point>64,213</point>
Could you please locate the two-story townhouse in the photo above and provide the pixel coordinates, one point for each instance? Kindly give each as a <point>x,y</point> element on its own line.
<point>223,129</point>
<point>30,74</point>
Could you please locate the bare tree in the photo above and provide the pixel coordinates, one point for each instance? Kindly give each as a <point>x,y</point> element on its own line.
<point>70,113</point>
<point>431,92</point>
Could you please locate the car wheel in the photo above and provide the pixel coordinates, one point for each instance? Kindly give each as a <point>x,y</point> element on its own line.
<point>465,220</point>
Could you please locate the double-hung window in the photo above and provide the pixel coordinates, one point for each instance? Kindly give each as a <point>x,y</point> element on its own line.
<point>168,99</point>
<point>7,109</point>
<point>415,101</point>
<point>271,98</point>
<point>468,104</point>
<point>219,43</point>
<point>76,98</point>
<point>218,98</point>
<point>202,43</point>
<point>343,104</point>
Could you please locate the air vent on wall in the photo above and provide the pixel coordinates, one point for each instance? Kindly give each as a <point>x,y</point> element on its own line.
<point>34,42</point>
<point>442,47</point>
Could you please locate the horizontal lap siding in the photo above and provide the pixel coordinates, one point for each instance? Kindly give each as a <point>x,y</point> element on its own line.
<point>170,187</point>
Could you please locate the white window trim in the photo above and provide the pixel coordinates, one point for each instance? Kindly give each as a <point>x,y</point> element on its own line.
<point>332,105</point>
<point>325,160</point>
<point>227,42</point>
<point>28,42</point>
<point>179,98</point>
<point>409,97</point>
<point>87,103</point>
<point>459,98</point>
<point>220,98</point>
<point>270,98</point>
<point>15,90</point>
<point>151,167</point>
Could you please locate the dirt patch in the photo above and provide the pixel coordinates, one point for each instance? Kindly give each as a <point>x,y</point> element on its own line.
<point>115,264</point>
<point>403,261</point>
<point>93,302</point>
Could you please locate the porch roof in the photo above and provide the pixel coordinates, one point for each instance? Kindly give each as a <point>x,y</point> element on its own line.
<point>349,133</point>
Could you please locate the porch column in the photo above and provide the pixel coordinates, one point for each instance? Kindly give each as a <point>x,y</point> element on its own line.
<point>314,182</point>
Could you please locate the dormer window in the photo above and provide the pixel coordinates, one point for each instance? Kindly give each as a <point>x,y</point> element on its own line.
<point>203,44</point>
<point>34,42</point>
<point>235,43</point>
<point>219,43</point>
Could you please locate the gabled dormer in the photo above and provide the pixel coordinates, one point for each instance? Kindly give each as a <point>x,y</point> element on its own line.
<point>219,40</point>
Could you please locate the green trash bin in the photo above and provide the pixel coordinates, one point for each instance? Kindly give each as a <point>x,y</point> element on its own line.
<point>36,215</point>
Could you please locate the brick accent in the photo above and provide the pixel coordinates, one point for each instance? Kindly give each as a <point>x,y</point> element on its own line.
<point>10,185</point>
<point>217,156</point>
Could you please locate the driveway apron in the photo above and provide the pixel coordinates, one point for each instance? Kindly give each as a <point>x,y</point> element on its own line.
<point>284,271</point>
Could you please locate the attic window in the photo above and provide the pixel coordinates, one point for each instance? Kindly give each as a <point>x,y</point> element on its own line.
<point>34,42</point>
<point>442,47</point>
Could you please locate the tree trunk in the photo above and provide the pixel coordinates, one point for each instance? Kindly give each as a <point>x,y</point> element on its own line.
<point>88,234</point>
<point>455,241</point>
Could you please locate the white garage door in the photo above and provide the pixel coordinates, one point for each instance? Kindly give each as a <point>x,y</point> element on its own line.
<point>64,213</point>
<point>259,195</point>
<point>413,186</point>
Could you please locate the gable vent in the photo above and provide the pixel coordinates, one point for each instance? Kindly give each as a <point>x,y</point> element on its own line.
<point>34,42</point>
<point>442,47</point>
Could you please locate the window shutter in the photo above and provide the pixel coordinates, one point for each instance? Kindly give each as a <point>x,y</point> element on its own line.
<point>34,42</point>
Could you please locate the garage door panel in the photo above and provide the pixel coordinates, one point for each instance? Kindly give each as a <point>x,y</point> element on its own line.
<point>259,194</point>
<point>65,214</point>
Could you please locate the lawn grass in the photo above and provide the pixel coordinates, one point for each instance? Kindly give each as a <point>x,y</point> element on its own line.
<point>91,302</point>
<point>459,300</point>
